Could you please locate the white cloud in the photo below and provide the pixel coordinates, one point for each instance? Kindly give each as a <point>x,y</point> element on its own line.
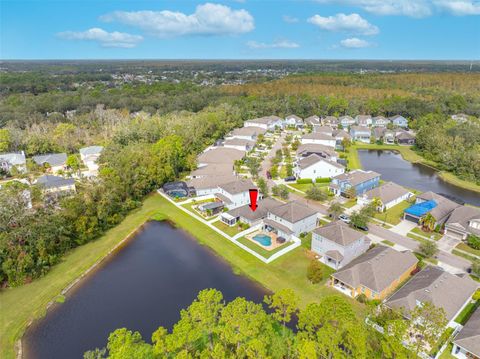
<point>281,44</point>
<point>104,38</point>
<point>352,23</point>
<point>414,8</point>
<point>208,19</point>
<point>289,19</point>
<point>354,43</point>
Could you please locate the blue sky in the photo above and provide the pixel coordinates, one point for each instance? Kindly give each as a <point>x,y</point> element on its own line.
<point>241,29</point>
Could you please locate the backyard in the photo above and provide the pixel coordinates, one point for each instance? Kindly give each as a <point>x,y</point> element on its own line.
<point>394,214</point>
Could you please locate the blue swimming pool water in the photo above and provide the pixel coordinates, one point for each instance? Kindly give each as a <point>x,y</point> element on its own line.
<point>263,239</point>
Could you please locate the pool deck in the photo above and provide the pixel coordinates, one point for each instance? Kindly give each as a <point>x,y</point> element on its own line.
<point>272,235</point>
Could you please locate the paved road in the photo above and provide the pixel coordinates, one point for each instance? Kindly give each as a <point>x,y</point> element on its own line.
<point>411,244</point>
<point>266,161</point>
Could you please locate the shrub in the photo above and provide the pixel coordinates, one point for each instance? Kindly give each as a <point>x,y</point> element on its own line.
<point>304,180</point>
<point>476,295</point>
<point>362,298</point>
<point>428,248</point>
<point>473,241</point>
<point>315,271</point>
<point>323,180</point>
<point>316,194</point>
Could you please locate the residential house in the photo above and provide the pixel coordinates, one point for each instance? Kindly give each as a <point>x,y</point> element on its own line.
<point>347,121</point>
<point>213,169</point>
<point>389,137</point>
<point>312,120</point>
<point>463,220</point>
<point>389,194</point>
<point>239,144</point>
<point>89,156</point>
<point>341,135</point>
<point>293,121</point>
<point>16,160</point>
<point>338,244</point>
<point>440,288</point>
<point>235,194</point>
<point>327,130</point>
<point>320,150</point>
<point>466,344</point>
<point>437,205</point>
<point>315,166</point>
<point>331,121</point>
<point>318,138</point>
<point>220,155</point>
<point>246,215</point>
<point>363,120</point>
<point>56,162</point>
<point>55,184</point>
<point>380,121</point>
<point>269,123</point>
<point>360,133</point>
<point>376,273</point>
<point>399,121</point>
<point>208,185</point>
<point>357,181</point>
<point>246,133</point>
<point>290,219</point>
<point>405,138</point>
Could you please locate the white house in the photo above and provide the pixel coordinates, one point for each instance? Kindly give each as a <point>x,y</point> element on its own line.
<point>347,121</point>
<point>318,138</point>
<point>14,159</point>
<point>389,194</point>
<point>463,221</point>
<point>360,133</point>
<point>380,121</point>
<point>363,120</point>
<point>466,344</point>
<point>399,121</point>
<point>292,218</point>
<point>338,244</point>
<point>320,150</point>
<point>315,167</point>
<point>293,120</point>
<point>269,123</point>
<point>89,156</point>
<point>246,133</point>
<point>235,194</point>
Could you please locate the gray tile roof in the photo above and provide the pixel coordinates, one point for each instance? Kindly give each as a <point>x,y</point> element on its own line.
<point>49,181</point>
<point>13,158</point>
<point>339,232</point>
<point>357,176</point>
<point>469,337</point>
<point>293,211</point>
<point>91,150</point>
<point>444,205</point>
<point>434,285</point>
<point>53,159</point>
<point>237,186</point>
<point>221,155</point>
<point>264,206</point>
<point>376,269</point>
<point>461,216</point>
<point>387,192</point>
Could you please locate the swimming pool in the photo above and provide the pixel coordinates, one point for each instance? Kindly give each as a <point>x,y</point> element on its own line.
<point>263,239</point>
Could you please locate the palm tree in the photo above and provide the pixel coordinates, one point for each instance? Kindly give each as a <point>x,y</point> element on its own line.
<point>428,222</point>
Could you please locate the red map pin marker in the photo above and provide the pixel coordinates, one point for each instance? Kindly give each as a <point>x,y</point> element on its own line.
<point>253,198</point>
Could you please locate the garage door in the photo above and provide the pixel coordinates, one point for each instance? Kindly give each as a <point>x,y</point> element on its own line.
<point>411,218</point>
<point>453,234</point>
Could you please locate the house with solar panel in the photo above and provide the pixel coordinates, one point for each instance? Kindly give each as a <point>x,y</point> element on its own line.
<point>438,206</point>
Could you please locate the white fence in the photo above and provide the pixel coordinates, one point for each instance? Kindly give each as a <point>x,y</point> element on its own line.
<point>296,241</point>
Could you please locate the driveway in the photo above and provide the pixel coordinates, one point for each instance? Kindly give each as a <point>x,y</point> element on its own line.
<point>447,243</point>
<point>403,227</point>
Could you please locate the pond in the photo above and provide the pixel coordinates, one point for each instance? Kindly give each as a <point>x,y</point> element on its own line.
<point>142,286</point>
<point>394,168</point>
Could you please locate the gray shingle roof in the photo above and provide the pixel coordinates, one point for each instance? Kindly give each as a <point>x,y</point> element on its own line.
<point>49,181</point>
<point>277,225</point>
<point>314,158</point>
<point>91,150</point>
<point>13,158</point>
<point>53,159</point>
<point>214,169</point>
<point>357,176</point>
<point>237,186</point>
<point>444,205</point>
<point>316,148</point>
<point>210,181</point>
<point>248,131</point>
<point>293,211</point>
<point>317,136</point>
<point>462,215</point>
<point>323,129</point>
<point>239,142</point>
<point>387,192</point>
<point>339,232</point>
<point>264,206</point>
<point>221,155</point>
<point>376,269</point>
<point>469,337</point>
<point>434,285</point>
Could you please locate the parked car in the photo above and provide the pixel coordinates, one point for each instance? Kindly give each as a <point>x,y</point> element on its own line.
<point>363,228</point>
<point>344,218</point>
<point>290,179</point>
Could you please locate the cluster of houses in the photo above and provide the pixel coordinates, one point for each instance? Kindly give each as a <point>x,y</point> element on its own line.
<point>55,167</point>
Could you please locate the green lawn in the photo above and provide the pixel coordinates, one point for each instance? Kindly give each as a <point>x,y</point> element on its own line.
<point>231,231</point>
<point>20,305</point>
<point>416,237</point>
<point>263,252</point>
<point>350,203</point>
<point>307,241</point>
<point>467,312</point>
<point>464,255</point>
<point>388,243</point>
<point>466,248</point>
<point>421,232</point>
<point>394,214</point>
